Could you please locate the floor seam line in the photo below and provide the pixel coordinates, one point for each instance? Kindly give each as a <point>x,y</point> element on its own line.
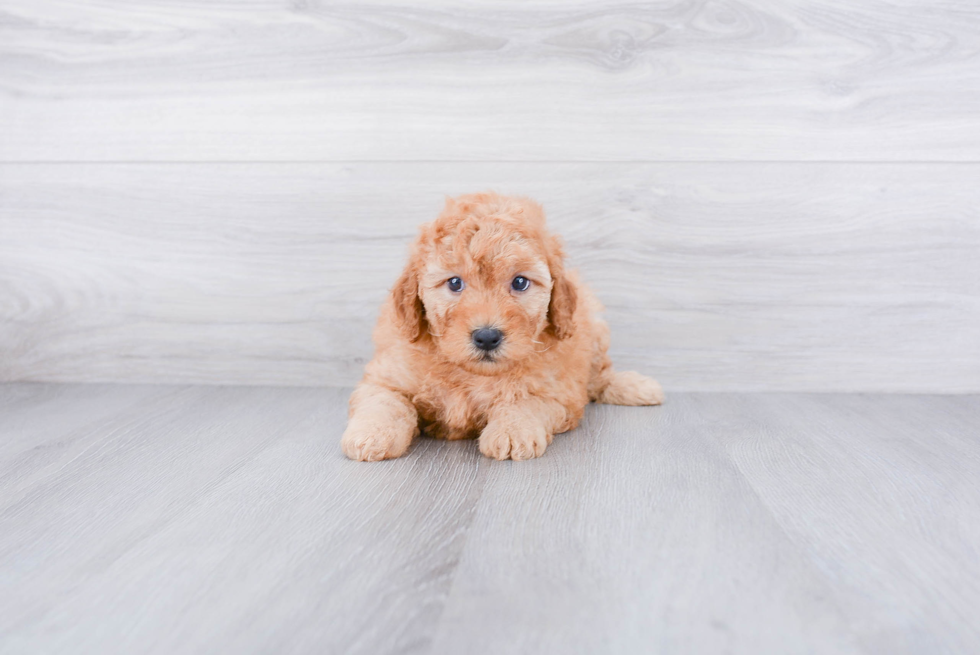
<point>466,538</point>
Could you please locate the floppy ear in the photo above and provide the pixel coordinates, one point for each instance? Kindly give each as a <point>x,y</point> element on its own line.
<point>564,298</point>
<point>561,309</point>
<point>408,305</point>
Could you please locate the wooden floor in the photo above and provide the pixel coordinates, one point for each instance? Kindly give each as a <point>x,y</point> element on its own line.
<point>225,519</point>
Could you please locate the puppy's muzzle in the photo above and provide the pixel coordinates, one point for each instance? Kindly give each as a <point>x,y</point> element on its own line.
<point>487,339</point>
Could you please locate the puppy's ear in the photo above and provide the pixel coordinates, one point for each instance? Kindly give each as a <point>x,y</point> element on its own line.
<point>408,305</point>
<point>561,309</point>
<point>564,298</point>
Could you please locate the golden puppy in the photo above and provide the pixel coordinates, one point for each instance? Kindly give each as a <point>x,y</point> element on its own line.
<point>486,334</point>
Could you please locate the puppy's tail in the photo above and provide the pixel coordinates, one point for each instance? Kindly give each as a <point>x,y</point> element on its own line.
<point>626,388</point>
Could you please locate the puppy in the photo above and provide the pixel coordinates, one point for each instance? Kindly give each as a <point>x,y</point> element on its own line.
<point>486,335</point>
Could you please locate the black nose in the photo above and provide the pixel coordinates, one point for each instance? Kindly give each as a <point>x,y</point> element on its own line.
<point>487,338</point>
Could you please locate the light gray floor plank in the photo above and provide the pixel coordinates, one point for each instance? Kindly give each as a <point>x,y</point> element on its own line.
<point>216,520</point>
<point>761,277</point>
<point>223,519</point>
<point>47,427</point>
<point>884,495</point>
<point>636,535</point>
<point>155,80</point>
<point>734,523</point>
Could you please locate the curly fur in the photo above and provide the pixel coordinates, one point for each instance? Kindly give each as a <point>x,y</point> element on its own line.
<point>427,374</point>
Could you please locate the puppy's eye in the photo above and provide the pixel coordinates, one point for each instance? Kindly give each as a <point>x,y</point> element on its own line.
<point>455,284</point>
<point>520,283</point>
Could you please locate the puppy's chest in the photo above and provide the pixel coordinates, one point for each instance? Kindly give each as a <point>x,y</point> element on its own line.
<point>464,403</point>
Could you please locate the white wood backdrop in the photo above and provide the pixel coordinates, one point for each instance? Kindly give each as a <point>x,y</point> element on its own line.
<point>767,195</point>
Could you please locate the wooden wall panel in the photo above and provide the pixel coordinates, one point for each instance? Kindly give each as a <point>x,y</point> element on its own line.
<point>715,276</point>
<point>767,194</point>
<point>171,80</point>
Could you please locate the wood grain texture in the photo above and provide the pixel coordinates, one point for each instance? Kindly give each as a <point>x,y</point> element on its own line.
<point>733,523</point>
<point>207,519</point>
<point>185,510</point>
<point>819,277</point>
<point>171,80</point>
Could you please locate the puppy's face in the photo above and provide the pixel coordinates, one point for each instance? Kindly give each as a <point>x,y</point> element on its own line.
<point>485,285</point>
<point>485,290</point>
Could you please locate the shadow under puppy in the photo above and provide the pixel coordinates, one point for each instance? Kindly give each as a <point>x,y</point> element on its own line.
<point>485,334</point>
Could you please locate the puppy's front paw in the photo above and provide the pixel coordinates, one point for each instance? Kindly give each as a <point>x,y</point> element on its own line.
<point>374,441</point>
<point>514,440</point>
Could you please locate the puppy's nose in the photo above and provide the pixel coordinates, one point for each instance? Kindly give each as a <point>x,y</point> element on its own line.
<point>487,338</point>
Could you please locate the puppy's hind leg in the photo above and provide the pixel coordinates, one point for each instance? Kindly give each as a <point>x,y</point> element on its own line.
<point>628,388</point>
<point>618,388</point>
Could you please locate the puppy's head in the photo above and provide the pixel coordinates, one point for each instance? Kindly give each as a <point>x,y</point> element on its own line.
<point>486,283</point>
